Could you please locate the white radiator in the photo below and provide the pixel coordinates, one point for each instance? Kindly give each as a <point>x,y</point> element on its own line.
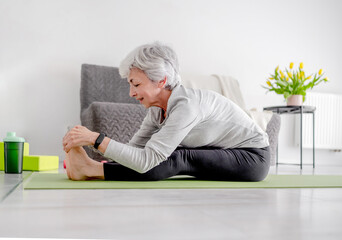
<point>328,122</point>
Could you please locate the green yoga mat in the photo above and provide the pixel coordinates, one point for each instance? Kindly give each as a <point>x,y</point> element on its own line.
<point>60,181</point>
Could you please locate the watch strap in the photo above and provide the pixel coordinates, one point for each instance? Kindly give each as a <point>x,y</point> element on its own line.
<point>99,140</point>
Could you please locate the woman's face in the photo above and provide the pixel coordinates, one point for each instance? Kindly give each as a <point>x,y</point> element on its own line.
<point>143,89</point>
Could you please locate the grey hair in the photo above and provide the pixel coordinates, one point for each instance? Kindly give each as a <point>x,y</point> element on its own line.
<point>156,60</point>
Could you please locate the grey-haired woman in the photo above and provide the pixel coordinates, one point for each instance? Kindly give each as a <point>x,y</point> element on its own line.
<point>186,131</point>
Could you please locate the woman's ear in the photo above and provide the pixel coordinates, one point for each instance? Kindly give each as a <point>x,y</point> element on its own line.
<point>162,83</point>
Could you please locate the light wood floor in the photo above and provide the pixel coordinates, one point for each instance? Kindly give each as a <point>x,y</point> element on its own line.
<point>175,214</point>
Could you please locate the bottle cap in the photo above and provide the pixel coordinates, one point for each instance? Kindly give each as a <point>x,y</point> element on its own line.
<point>12,138</point>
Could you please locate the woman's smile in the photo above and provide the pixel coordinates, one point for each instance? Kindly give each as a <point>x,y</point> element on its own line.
<point>147,92</point>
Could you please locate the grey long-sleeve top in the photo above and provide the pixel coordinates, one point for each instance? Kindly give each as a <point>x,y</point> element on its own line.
<point>194,118</point>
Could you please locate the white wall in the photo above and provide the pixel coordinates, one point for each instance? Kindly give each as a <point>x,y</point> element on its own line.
<point>43,44</point>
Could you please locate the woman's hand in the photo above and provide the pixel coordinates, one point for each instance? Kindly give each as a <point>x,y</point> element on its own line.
<point>77,137</point>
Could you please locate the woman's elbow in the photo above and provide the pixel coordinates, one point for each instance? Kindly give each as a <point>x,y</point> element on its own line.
<point>145,169</point>
<point>142,170</point>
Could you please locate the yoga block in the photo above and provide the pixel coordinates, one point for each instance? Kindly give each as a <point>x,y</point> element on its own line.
<point>2,154</point>
<point>40,163</point>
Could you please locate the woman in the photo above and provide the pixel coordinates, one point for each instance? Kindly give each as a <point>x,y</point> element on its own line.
<point>186,131</point>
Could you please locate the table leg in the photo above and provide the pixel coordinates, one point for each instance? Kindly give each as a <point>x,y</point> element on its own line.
<point>313,140</point>
<point>301,137</point>
<point>277,144</point>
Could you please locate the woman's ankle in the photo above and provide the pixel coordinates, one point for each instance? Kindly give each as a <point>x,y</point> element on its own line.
<point>95,170</point>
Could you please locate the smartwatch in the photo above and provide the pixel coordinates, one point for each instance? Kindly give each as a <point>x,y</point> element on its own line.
<point>99,140</point>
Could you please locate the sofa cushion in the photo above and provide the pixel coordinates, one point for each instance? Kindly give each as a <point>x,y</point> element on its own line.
<point>103,84</point>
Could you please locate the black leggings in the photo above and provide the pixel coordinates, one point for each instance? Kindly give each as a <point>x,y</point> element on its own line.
<point>239,164</point>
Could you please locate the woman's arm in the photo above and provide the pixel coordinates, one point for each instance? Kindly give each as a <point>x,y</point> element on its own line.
<point>81,136</point>
<point>181,120</point>
<point>161,145</point>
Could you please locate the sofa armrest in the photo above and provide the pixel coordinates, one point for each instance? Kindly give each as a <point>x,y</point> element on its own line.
<point>272,131</point>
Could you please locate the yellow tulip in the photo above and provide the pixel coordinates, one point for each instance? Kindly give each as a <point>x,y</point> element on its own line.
<point>290,74</point>
<point>309,77</point>
<point>326,79</point>
<point>320,72</point>
<point>269,83</point>
<point>301,65</point>
<point>281,74</point>
<point>271,78</point>
<point>302,75</point>
<point>291,65</point>
<point>277,68</point>
<point>287,79</point>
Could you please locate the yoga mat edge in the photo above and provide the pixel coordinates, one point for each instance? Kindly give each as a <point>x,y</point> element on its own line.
<point>61,181</point>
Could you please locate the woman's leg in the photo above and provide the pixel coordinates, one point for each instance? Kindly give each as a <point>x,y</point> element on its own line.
<point>171,167</point>
<point>240,164</point>
<point>80,167</point>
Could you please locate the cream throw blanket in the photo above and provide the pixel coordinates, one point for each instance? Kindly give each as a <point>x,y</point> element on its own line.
<point>228,87</point>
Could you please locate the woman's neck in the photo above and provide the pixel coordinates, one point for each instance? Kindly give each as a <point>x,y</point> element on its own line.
<point>164,99</point>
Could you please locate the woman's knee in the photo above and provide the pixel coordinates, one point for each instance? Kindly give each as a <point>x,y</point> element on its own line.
<point>256,165</point>
<point>258,174</point>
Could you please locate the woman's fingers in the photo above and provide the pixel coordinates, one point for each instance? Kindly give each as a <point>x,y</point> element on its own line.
<point>67,142</point>
<point>77,137</point>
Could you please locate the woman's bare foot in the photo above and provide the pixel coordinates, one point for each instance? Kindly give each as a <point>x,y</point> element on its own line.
<point>67,165</point>
<point>80,167</point>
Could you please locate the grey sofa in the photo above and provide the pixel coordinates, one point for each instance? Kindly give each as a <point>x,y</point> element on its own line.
<point>107,107</point>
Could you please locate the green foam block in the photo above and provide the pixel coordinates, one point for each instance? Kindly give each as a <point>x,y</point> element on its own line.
<point>2,154</point>
<point>40,163</point>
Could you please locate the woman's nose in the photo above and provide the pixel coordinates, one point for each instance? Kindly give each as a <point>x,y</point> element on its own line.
<point>132,93</point>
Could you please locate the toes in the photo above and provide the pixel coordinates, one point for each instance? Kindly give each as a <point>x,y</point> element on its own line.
<point>67,168</point>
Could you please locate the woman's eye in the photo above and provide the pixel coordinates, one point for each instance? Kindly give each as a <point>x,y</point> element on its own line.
<point>136,85</point>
